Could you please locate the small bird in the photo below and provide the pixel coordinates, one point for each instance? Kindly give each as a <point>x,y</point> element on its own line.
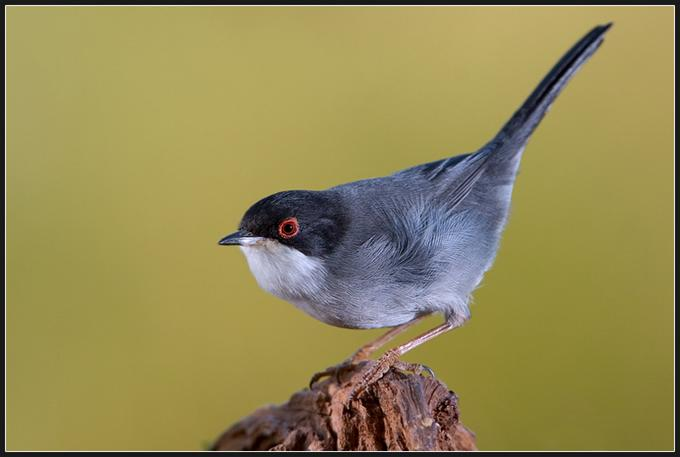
<point>388,251</point>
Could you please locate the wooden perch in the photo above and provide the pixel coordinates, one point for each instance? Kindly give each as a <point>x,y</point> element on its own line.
<point>402,411</point>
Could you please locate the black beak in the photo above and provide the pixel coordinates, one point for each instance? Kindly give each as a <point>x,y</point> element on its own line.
<point>235,238</point>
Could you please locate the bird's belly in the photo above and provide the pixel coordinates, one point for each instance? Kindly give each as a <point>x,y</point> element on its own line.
<point>342,314</point>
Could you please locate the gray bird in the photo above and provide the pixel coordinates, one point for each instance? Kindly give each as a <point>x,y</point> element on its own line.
<point>388,251</point>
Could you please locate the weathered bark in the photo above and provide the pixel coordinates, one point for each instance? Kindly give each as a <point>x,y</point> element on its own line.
<point>402,411</point>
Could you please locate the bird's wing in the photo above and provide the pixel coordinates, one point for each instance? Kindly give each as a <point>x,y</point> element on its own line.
<point>400,235</point>
<point>449,181</point>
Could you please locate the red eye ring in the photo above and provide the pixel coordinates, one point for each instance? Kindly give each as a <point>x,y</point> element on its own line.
<point>288,228</point>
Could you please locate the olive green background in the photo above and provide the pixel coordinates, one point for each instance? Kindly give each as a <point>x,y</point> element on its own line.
<point>138,136</point>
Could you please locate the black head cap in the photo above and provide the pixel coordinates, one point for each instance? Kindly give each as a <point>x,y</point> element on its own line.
<point>311,222</point>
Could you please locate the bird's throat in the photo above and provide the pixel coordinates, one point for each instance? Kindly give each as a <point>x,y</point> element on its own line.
<point>284,271</point>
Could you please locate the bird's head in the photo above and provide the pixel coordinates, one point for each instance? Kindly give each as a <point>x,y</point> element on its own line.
<point>311,222</point>
<point>285,238</point>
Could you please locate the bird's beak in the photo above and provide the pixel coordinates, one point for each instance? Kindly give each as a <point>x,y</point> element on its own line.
<point>242,237</point>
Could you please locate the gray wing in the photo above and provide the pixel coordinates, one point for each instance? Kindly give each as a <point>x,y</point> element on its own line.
<point>406,250</point>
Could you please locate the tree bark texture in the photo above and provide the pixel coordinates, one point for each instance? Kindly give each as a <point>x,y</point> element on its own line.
<point>401,411</point>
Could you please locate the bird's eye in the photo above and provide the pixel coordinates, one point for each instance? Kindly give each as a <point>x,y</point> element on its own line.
<point>288,228</point>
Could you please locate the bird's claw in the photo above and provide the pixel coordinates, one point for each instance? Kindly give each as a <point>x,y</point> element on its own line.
<point>415,368</point>
<point>389,360</point>
<point>358,357</point>
<point>330,371</point>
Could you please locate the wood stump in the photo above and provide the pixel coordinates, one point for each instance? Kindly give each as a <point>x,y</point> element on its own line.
<point>402,411</point>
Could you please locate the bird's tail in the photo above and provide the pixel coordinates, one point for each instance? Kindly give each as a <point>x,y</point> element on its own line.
<point>515,133</point>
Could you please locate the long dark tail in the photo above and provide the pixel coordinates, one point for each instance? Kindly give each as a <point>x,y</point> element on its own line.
<point>515,133</point>
<point>494,162</point>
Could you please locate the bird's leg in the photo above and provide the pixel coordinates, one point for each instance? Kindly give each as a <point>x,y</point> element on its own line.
<point>366,350</point>
<point>391,358</point>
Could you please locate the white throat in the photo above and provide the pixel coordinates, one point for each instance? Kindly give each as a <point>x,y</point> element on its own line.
<point>284,271</point>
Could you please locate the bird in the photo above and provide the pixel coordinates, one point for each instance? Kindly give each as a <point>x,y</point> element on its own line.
<point>387,252</point>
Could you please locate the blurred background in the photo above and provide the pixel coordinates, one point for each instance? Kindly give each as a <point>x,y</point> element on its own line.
<point>138,136</point>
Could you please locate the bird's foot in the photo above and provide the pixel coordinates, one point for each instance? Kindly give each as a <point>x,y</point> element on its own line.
<point>388,360</point>
<point>359,356</point>
<point>415,368</point>
<point>333,371</point>
<point>374,373</point>
<point>330,371</point>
